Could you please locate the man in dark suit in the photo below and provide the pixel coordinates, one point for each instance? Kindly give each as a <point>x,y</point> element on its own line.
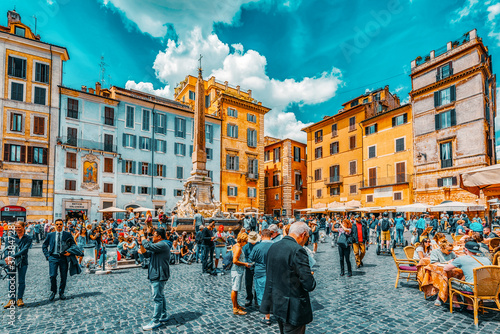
<point>158,272</point>
<point>54,248</point>
<point>289,281</point>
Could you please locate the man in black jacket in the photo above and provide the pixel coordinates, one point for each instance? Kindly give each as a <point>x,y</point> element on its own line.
<point>289,281</point>
<point>158,272</point>
<point>207,257</point>
<point>17,259</point>
<point>359,233</point>
<point>55,250</point>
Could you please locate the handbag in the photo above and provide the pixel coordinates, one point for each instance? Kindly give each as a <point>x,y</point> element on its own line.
<point>342,241</point>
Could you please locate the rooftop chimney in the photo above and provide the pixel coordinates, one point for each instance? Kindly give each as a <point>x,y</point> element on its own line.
<point>91,90</point>
<point>13,16</point>
<point>98,88</point>
<point>249,93</point>
<point>84,88</point>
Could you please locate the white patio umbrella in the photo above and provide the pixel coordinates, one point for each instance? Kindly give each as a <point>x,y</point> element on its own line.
<point>112,209</point>
<point>141,209</point>
<point>456,206</point>
<point>415,207</point>
<point>368,209</point>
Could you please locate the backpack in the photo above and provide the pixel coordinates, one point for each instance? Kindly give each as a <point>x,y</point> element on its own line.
<point>227,261</point>
<point>385,225</point>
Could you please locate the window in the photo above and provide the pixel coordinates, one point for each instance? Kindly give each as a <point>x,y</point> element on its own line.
<point>352,123</point>
<point>232,112</point>
<point>297,197</point>
<point>252,138</point>
<point>210,153</point>
<point>296,154</point>
<point>108,165</point>
<point>16,122</point>
<point>37,155</point>
<point>252,192</point>
<point>207,101</point>
<point>266,181</point>
<point>400,144</point>
<point>444,71</point>
<point>365,100</point>
<point>318,136</point>
<point>252,118</point>
<point>145,120</point>
<point>160,170</point>
<point>19,31</point>
<point>129,117</point>
<point>399,120</point>
<point>232,131</point>
<point>192,95</point>
<point>381,108</point>
<point>180,172</point>
<point>267,155</point>
<point>42,73</point>
<point>108,143</point>
<point>276,179</point>
<point>70,185</point>
<point>352,142</point>
<point>17,67</point>
<point>161,123</point>
<point>401,172</point>
<point>144,190</point>
<point>334,173</point>
<point>145,143</point>
<point>129,140</point>
<point>72,111</point>
<point>232,162</point>
<point>372,151</point>
<point>209,133</point>
<point>276,196</point>
<point>210,174</point>
<point>334,130</point>
<point>371,129</point>
<point>353,189</point>
<point>36,188</point>
<point>109,116</point>
<point>277,154</point>
<point>334,191</point>
<point>354,103</point>
<point>70,160</point>
<point>372,177</point>
<point>14,153</point>
<point>444,96</point>
<point>369,198</point>
<point>17,91</point>
<point>398,196</point>
<point>232,191</point>
<point>177,192</point>
<point>14,187</point>
<point>446,119</point>
<point>40,93</point>
<point>191,151</point>
<point>145,168</point>
<point>108,188</point>
<point>128,189</point>
<point>447,181</point>
<point>253,167</point>
<point>180,149</point>
<point>39,125</point>
<point>318,152</point>
<point>72,134</point>
<point>318,193</point>
<point>317,174</point>
<point>298,181</point>
<point>129,166</point>
<point>160,146</point>
<point>180,127</point>
<point>353,167</point>
<point>334,148</point>
<point>446,155</point>
<point>376,97</point>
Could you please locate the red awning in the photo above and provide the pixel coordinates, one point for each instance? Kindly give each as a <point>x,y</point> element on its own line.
<point>13,208</point>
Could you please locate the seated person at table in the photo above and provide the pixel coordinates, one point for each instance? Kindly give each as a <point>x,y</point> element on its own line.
<point>471,260</point>
<point>423,250</point>
<point>476,227</point>
<point>488,234</point>
<point>444,253</point>
<point>460,228</point>
<point>436,239</point>
<point>483,247</point>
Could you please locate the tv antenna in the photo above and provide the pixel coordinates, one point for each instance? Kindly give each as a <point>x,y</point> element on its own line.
<point>102,66</point>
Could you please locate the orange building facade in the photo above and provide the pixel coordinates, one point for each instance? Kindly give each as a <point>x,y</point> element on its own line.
<point>285,179</point>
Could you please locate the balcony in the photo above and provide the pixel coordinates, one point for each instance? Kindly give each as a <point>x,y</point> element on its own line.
<point>446,163</point>
<point>332,180</point>
<point>88,144</point>
<point>386,181</point>
<point>252,176</point>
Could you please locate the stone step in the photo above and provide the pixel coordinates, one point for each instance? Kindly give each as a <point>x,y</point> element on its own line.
<point>126,266</point>
<point>126,262</point>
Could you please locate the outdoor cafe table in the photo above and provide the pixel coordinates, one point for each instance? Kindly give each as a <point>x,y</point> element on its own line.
<point>433,278</point>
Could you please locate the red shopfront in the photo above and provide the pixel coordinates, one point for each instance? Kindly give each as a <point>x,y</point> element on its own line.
<point>12,213</point>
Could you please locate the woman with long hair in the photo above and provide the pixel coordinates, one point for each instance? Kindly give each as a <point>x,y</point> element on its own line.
<point>344,245</point>
<point>149,219</point>
<point>423,249</point>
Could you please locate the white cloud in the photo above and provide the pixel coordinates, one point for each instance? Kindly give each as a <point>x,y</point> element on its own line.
<point>147,87</point>
<point>465,11</point>
<point>493,11</point>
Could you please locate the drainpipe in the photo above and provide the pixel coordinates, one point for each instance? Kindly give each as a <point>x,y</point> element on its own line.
<point>49,136</point>
<point>362,160</point>
<point>153,151</point>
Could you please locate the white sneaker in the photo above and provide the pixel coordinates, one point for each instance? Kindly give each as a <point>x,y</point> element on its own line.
<point>152,325</point>
<point>438,302</point>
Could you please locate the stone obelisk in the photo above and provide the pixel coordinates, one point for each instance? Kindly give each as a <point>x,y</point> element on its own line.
<point>199,152</point>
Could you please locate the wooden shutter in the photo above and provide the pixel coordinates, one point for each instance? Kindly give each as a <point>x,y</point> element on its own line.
<point>235,191</point>
<point>454,181</point>
<point>133,190</point>
<point>440,182</point>
<point>164,171</point>
<point>376,127</point>
<point>393,121</point>
<point>123,188</point>
<point>30,155</point>
<point>35,125</point>
<point>437,119</point>
<point>124,139</point>
<point>124,165</point>
<point>450,64</point>
<point>6,151</point>
<point>23,153</point>
<point>45,152</point>
<point>236,131</point>
<point>405,118</point>
<point>436,99</point>
<point>228,188</point>
<point>237,162</point>
<point>452,93</point>
<point>438,74</point>
<point>133,167</point>
<point>453,116</point>
<point>150,172</point>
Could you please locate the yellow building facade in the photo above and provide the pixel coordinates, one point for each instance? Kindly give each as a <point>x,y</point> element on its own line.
<point>335,150</point>
<point>242,141</point>
<point>388,158</point>
<point>32,72</point>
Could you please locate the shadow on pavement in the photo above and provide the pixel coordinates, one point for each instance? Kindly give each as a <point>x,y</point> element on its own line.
<point>80,295</point>
<point>183,317</point>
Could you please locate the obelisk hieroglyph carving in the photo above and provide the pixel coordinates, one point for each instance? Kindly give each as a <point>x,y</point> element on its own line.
<point>199,152</point>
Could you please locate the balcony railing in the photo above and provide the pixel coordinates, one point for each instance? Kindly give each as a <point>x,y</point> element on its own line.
<point>446,163</point>
<point>382,181</point>
<point>88,144</point>
<point>252,176</point>
<point>334,180</point>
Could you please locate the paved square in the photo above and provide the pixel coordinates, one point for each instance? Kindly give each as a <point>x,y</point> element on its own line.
<point>121,303</point>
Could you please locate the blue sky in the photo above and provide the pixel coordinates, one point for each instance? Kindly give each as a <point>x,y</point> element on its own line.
<point>301,58</point>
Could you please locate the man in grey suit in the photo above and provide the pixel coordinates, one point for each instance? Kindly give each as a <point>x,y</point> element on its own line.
<point>158,272</point>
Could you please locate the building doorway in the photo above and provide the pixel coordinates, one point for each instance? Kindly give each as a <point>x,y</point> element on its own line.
<point>13,213</point>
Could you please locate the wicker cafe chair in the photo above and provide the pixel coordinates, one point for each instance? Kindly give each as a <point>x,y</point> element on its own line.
<point>494,243</point>
<point>486,286</point>
<point>405,266</point>
<point>457,237</point>
<point>409,252</point>
<point>496,259</point>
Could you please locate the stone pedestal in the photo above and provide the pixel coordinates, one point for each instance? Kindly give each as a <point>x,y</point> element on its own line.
<point>199,194</point>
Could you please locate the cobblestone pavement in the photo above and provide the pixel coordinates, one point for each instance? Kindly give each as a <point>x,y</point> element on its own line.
<point>121,303</point>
